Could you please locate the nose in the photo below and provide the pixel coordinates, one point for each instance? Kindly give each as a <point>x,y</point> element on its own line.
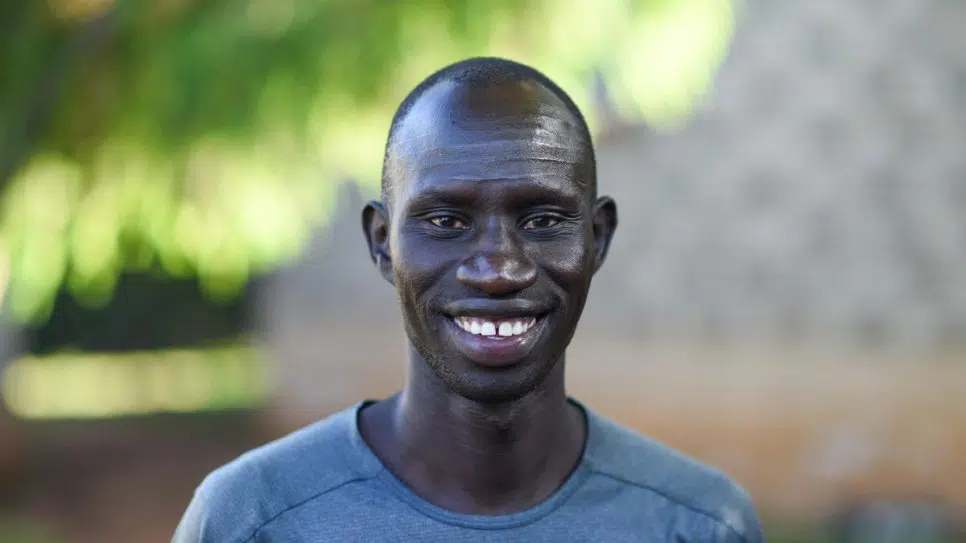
<point>496,274</point>
<point>498,267</point>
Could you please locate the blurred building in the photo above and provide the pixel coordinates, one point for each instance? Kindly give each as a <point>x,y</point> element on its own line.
<point>821,194</point>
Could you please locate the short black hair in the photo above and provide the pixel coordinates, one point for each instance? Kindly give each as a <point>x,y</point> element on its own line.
<point>485,72</point>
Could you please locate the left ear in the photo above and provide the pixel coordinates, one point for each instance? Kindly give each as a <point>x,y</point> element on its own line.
<point>605,223</point>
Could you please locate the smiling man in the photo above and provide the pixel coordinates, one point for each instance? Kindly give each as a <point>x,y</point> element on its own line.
<point>490,229</point>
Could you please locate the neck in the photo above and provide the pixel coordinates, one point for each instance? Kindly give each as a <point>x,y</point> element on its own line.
<point>480,457</point>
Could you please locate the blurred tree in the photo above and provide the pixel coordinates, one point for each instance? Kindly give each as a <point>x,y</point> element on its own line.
<point>147,312</point>
<point>202,137</point>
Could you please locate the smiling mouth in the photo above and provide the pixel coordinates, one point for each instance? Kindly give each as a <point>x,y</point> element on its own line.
<point>495,328</point>
<point>496,341</point>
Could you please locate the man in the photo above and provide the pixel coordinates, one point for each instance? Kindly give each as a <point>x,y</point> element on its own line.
<point>490,229</point>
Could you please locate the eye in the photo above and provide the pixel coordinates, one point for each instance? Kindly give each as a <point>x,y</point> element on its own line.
<point>449,222</point>
<point>541,221</point>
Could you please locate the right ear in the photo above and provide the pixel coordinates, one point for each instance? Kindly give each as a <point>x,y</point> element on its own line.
<point>375,225</point>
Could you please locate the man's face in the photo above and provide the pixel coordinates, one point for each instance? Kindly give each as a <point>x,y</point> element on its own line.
<point>493,234</point>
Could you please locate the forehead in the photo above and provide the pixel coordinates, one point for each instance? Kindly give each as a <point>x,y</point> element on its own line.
<point>459,136</point>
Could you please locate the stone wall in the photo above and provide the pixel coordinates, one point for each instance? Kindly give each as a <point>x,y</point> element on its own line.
<point>819,196</point>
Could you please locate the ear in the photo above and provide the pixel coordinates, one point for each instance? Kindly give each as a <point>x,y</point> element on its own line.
<point>375,226</point>
<point>605,223</point>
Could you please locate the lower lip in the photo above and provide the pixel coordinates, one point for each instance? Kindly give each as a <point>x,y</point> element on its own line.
<point>496,352</point>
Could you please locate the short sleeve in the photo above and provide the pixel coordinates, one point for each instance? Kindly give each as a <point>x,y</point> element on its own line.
<point>740,522</point>
<point>218,513</point>
<point>191,528</point>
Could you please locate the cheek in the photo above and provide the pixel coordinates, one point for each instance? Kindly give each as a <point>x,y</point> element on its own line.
<point>415,263</point>
<point>568,264</point>
<point>417,269</point>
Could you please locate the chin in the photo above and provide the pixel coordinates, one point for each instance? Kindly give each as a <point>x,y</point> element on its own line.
<point>495,385</point>
<point>493,395</point>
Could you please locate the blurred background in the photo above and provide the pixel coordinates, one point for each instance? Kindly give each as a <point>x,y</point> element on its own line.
<point>183,277</point>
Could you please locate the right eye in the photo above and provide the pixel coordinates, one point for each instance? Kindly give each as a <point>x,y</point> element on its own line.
<point>449,222</point>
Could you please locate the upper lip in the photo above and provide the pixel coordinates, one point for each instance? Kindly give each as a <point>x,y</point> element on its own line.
<point>477,307</point>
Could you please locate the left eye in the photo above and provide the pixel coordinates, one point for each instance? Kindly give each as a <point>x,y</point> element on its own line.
<point>543,221</point>
<point>448,222</point>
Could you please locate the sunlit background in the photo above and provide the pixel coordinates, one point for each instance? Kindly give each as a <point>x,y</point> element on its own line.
<point>182,275</point>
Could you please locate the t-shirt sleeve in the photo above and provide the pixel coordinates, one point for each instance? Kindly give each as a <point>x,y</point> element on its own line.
<point>751,532</point>
<point>741,521</point>
<point>210,518</point>
<point>191,528</point>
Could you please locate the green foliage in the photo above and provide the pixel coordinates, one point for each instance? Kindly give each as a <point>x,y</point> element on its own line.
<point>205,137</point>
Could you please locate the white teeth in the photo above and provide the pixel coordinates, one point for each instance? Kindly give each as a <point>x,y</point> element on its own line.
<point>491,328</point>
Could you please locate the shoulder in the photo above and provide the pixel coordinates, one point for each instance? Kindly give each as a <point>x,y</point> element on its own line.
<point>701,490</point>
<point>235,500</point>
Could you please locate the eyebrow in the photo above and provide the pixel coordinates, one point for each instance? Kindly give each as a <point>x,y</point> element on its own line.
<point>455,197</point>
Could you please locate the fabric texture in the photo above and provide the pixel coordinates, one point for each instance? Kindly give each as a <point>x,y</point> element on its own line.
<point>323,483</point>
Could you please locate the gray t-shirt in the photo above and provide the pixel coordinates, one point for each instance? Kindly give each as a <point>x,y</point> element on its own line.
<point>323,483</point>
